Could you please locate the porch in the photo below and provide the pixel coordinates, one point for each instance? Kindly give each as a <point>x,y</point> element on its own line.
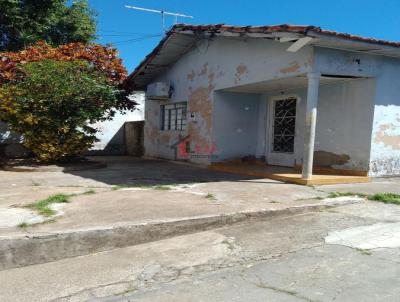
<point>275,123</point>
<point>288,174</point>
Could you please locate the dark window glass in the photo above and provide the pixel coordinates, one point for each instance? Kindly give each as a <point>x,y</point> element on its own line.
<point>173,116</point>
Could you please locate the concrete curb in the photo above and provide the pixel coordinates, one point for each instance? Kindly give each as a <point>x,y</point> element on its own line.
<point>56,168</point>
<point>28,250</point>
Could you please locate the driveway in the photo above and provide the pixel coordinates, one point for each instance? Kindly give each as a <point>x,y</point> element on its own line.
<point>137,190</point>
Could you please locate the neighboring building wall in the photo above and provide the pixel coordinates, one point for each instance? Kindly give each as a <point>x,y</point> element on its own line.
<point>134,138</point>
<point>112,133</point>
<point>214,65</point>
<point>385,133</point>
<point>10,143</point>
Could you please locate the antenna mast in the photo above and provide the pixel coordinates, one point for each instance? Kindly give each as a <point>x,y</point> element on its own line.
<point>163,13</point>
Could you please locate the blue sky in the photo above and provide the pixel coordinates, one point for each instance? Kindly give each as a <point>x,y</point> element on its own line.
<point>136,33</point>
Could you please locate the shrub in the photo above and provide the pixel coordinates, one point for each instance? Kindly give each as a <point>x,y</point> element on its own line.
<point>53,99</point>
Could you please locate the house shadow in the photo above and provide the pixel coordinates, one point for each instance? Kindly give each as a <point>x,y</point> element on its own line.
<point>112,146</point>
<point>135,171</point>
<point>11,144</point>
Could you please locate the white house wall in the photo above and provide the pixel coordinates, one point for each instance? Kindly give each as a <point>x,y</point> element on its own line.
<point>111,133</point>
<point>385,133</point>
<point>343,132</point>
<point>215,65</point>
<point>236,124</point>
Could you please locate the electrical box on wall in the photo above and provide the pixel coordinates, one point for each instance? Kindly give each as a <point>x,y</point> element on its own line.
<point>159,91</point>
<point>193,116</point>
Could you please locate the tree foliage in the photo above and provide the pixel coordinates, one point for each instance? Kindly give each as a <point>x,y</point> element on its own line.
<point>102,57</point>
<point>24,22</point>
<point>52,95</point>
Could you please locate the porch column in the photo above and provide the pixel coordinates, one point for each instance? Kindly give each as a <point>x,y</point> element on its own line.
<point>311,121</point>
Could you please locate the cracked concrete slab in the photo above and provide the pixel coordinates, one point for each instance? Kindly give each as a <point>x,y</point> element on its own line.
<point>372,209</point>
<point>119,270</point>
<point>379,235</point>
<point>323,273</point>
<point>12,217</point>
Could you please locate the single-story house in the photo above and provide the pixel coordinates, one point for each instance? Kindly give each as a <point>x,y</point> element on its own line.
<point>285,95</point>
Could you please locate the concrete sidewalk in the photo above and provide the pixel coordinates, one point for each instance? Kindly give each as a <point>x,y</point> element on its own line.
<point>114,219</point>
<point>142,205</point>
<point>132,190</point>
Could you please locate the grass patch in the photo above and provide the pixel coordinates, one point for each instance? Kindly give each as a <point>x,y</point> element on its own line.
<point>364,252</point>
<point>210,196</point>
<point>345,194</point>
<point>23,225</point>
<point>89,192</point>
<point>125,186</point>
<point>386,198</point>
<point>162,188</point>
<point>392,198</point>
<point>43,206</point>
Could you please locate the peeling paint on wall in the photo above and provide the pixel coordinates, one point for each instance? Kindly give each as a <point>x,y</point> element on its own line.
<point>241,71</point>
<point>329,159</point>
<point>201,104</point>
<point>190,76</point>
<point>204,70</point>
<point>293,67</point>
<point>389,135</point>
<point>385,157</point>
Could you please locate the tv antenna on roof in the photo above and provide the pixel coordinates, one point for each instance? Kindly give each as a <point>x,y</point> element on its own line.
<point>163,13</point>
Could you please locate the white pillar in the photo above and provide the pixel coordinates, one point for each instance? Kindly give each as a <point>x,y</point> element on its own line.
<point>311,121</point>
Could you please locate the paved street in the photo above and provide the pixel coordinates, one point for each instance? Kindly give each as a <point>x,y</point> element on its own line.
<point>295,264</point>
<point>275,259</point>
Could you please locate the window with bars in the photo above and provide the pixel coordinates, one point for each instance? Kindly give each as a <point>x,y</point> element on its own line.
<point>284,125</point>
<point>173,116</point>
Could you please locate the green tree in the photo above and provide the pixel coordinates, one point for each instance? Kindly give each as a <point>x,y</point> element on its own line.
<point>54,104</point>
<point>24,22</point>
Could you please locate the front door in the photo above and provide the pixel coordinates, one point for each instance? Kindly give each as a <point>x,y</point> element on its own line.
<point>282,117</point>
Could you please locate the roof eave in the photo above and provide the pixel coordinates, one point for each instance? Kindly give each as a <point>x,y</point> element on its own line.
<point>323,38</point>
